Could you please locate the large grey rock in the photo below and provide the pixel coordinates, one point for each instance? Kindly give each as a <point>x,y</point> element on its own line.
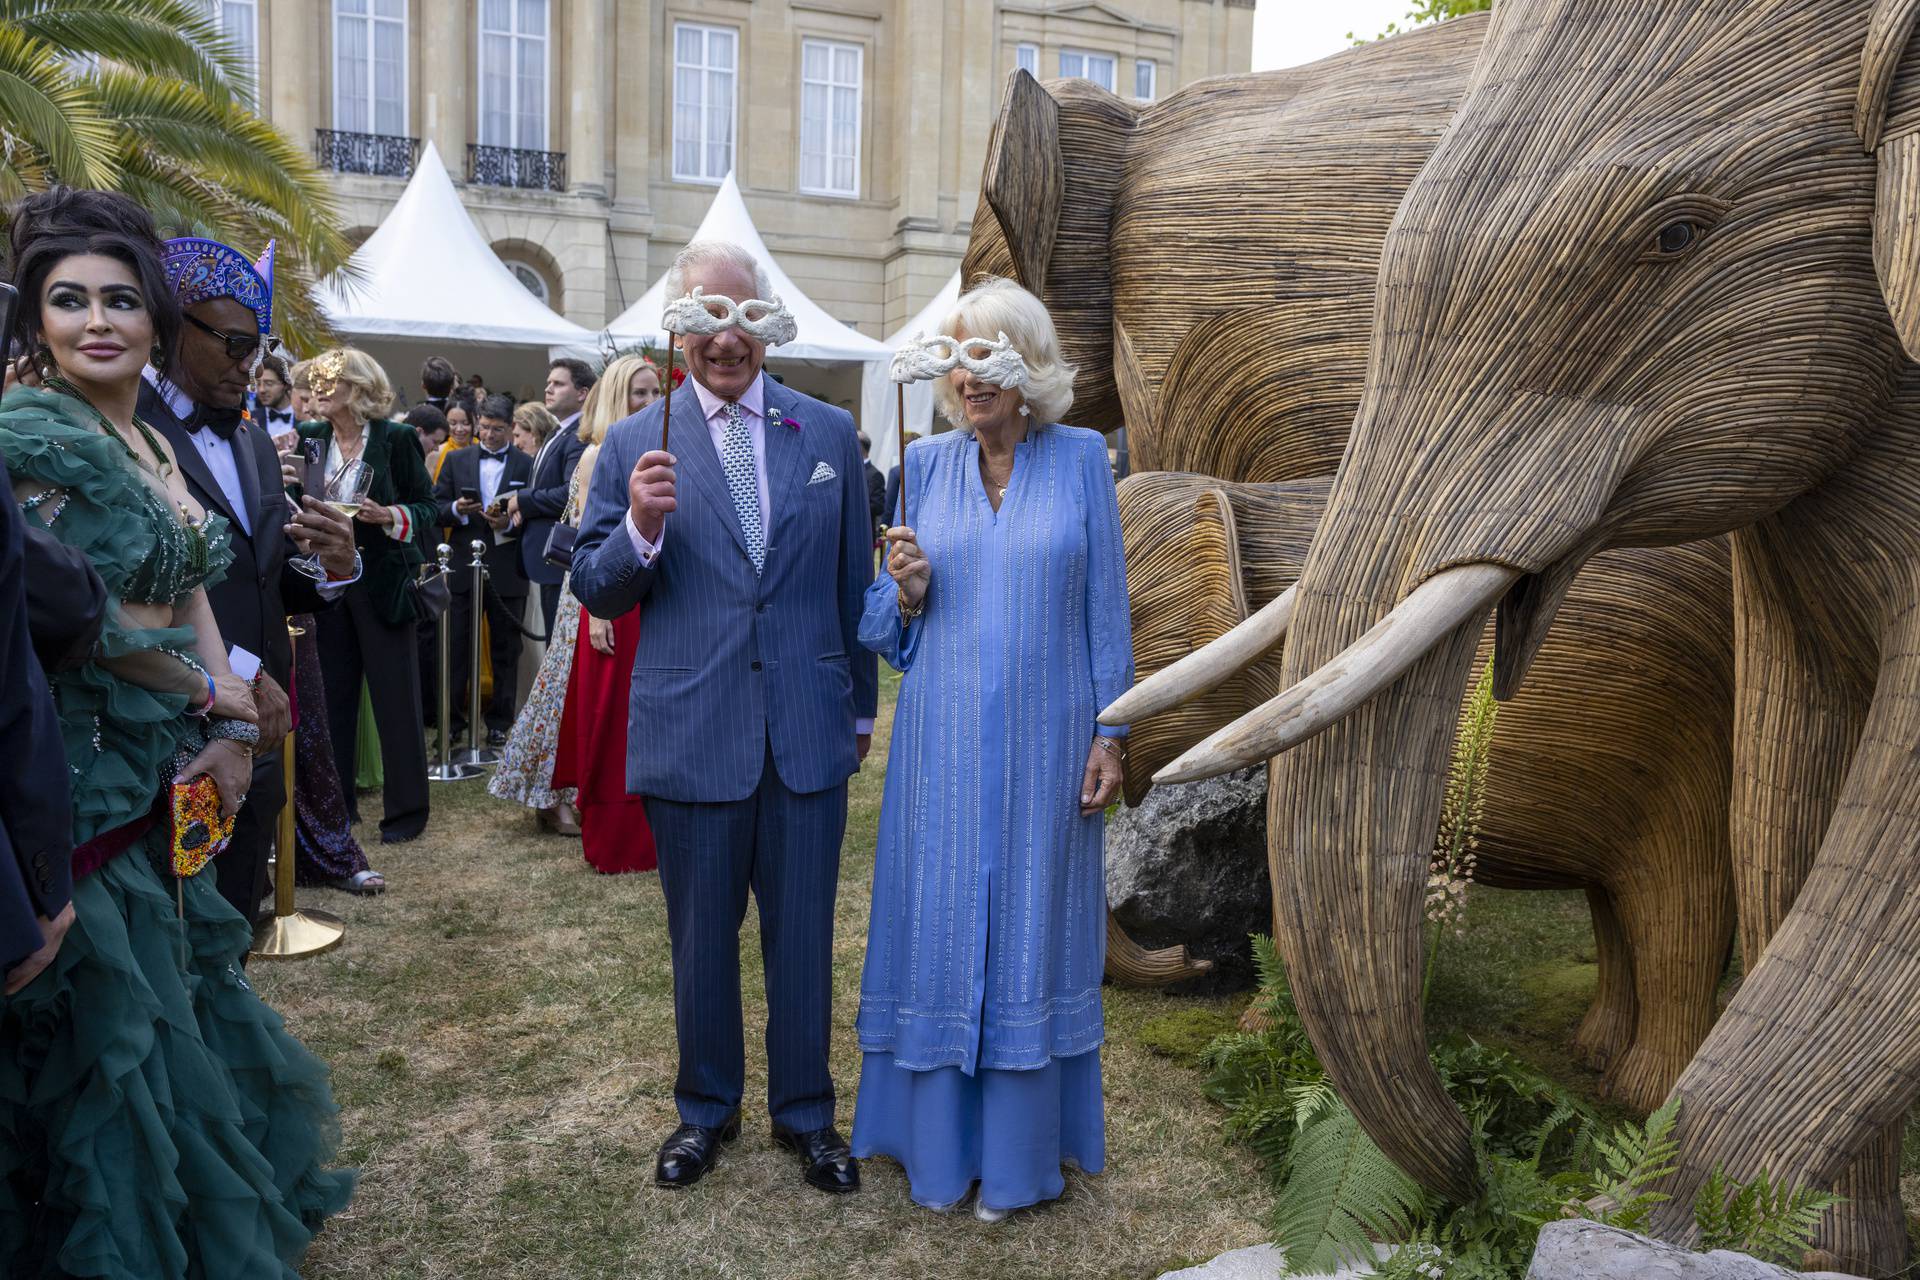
<point>1190,865</point>
<point>1260,1262</point>
<point>1577,1249</point>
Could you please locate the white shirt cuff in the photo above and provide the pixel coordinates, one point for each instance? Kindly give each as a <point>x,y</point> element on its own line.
<point>331,590</point>
<point>647,551</point>
<point>862,724</point>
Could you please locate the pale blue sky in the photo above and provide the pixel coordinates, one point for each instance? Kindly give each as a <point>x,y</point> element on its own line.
<point>1289,32</point>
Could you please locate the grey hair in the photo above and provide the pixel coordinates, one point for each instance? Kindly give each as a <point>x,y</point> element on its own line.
<point>997,305</point>
<point>716,253</point>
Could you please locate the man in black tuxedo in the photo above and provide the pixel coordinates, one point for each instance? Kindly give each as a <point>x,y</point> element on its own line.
<point>273,398</point>
<point>876,483</point>
<point>437,379</point>
<point>52,605</point>
<point>231,467</point>
<point>568,382</point>
<point>475,491</point>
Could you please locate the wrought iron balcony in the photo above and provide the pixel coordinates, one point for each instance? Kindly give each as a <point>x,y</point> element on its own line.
<point>380,154</point>
<point>512,167</point>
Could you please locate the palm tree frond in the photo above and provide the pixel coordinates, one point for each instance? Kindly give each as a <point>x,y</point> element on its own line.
<point>174,38</point>
<point>53,112</point>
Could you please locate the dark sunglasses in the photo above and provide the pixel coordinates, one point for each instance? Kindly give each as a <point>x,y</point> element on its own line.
<point>239,345</point>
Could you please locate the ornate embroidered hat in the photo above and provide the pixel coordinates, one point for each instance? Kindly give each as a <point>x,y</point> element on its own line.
<point>199,269</point>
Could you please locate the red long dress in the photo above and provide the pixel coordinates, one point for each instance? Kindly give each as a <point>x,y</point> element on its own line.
<point>592,756</point>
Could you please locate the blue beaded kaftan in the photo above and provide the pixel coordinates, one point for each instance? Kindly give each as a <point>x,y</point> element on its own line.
<point>988,932</point>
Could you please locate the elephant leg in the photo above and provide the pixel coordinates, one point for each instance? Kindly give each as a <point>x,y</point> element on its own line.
<point>1607,1030</point>
<point>1811,1070</point>
<point>1131,965</point>
<point>1678,921</point>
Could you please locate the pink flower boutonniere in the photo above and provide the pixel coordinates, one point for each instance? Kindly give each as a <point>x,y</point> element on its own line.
<point>790,424</point>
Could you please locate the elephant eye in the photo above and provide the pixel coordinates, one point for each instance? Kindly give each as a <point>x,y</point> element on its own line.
<point>1676,238</point>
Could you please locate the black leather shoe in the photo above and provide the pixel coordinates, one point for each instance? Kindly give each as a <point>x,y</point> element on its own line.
<point>496,737</point>
<point>828,1159</point>
<point>691,1150</point>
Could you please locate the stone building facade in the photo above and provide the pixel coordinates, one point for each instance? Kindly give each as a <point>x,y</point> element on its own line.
<point>587,136</point>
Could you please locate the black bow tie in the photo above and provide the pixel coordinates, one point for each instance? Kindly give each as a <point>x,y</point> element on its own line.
<point>279,415</point>
<point>487,455</point>
<point>223,421</point>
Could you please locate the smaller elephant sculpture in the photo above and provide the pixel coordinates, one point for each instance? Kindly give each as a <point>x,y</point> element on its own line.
<point>1573,803</point>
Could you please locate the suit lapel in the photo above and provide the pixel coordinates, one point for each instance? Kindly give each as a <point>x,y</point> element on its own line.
<point>246,461</point>
<point>787,453</point>
<point>187,453</point>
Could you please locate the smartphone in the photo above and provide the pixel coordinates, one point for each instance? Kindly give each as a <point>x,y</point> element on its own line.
<point>470,494</point>
<point>314,452</point>
<point>10,316</point>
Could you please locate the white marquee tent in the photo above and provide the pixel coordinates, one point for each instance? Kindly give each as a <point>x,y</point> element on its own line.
<point>821,339</point>
<point>427,274</point>
<point>879,408</point>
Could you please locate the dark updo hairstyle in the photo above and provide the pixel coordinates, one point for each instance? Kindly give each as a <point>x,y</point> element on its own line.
<point>463,398</point>
<point>64,222</point>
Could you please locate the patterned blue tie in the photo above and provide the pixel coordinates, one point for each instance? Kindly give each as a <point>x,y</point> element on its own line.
<point>736,455</point>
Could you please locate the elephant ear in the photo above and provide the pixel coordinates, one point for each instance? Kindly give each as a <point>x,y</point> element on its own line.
<point>1056,163</point>
<point>1887,118</point>
<point>1023,178</point>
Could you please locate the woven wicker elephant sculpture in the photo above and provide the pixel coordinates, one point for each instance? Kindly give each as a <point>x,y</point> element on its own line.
<point>1660,280</point>
<point>1251,370</point>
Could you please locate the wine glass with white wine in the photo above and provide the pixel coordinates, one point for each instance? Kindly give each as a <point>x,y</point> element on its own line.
<point>346,490</point>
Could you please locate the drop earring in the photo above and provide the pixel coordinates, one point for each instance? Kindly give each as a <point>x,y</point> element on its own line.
<point>1024,412</point>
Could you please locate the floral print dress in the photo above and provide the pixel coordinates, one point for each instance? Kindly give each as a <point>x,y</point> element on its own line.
<point>525,772</point>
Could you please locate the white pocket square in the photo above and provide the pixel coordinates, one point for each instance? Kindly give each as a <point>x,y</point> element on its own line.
<point>823,473</point>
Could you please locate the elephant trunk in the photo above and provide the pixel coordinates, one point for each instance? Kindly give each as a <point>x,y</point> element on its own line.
<point>1417,544</point>
<point>1351,816</point>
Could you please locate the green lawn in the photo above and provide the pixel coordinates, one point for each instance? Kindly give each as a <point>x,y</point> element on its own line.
<point>500,1028</point>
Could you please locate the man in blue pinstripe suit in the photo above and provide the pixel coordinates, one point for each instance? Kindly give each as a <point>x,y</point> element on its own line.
<point>752,703</point>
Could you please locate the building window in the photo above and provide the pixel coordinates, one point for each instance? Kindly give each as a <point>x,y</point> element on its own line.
<point>1144,75</point>
<point>830,118</point>
<point>534,282</point>
<point>1026,57</point>
<point>370,66</point>
<point>706,64</point>
<point>239,22</point>
<point>1097,67</point>
<point>513,74</point>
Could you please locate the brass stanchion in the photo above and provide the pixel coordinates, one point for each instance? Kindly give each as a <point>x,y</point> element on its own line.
<point>446,769</point>
<point>477,753</point>
<point>292,933</point>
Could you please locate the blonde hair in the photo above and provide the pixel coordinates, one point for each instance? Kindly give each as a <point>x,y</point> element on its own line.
<point>535,418</point>
<point>297,376</point>
<point>372,394</point>
<point>996,306</point>
<point>606,404</point>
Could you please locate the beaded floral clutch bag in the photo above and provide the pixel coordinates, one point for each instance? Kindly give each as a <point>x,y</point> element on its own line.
<point>199,830</point>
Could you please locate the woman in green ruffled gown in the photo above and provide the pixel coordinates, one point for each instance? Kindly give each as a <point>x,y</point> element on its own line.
<point>156,1118</point>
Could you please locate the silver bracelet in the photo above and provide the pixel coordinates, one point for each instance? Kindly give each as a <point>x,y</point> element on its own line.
<point>240,731</point>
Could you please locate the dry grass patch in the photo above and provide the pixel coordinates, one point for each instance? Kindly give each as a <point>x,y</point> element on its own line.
<point>500,1026</point>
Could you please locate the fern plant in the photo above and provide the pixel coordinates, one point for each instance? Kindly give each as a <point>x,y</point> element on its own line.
<point>1341,1193</point>
<point>1630,1162</point>
<point>1770,1220</point>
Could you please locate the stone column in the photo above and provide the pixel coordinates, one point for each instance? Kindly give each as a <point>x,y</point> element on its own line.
<point>291,71</point>
<point>446,67</point>
<point>587,36</point>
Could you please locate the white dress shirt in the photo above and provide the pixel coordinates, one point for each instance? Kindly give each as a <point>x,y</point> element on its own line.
<point>491,469</point>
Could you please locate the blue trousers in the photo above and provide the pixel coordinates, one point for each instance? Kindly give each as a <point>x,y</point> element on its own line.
<point>785,846</point>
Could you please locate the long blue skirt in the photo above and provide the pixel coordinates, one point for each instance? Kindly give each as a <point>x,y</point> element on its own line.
<point>1009,1131</point>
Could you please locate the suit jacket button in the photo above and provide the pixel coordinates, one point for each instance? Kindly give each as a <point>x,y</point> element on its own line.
<point>756,666</point>
<point>761,607</point>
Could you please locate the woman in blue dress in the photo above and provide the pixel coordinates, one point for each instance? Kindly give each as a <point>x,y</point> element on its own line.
<point>1005,606</point>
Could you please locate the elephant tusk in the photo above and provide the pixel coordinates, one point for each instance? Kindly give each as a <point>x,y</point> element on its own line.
<point>1369,665</point>
<point>1208,667</point>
